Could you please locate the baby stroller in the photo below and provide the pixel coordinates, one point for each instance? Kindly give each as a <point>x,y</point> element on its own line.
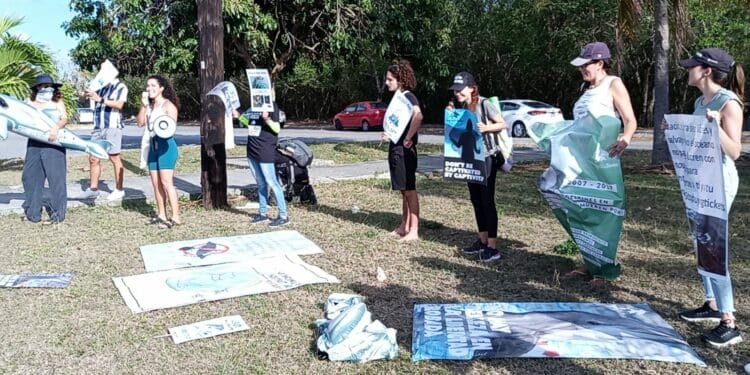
<point>293,157</point>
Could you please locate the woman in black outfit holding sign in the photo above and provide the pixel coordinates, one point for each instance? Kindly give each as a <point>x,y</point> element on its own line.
<point>402,155</point>
<point>466,94</point>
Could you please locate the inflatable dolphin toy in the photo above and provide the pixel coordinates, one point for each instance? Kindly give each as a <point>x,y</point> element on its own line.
<point>22,118</point>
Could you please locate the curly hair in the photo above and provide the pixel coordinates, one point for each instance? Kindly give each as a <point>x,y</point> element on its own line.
<point>168,93</point>
<point>404,74</point>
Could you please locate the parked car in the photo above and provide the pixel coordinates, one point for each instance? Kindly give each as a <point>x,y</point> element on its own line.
<point>520,113</point>
<point>84,115</point>
<point>362,115</point>
<point>282,120</point>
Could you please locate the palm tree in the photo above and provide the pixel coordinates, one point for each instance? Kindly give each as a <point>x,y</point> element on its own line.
<point>20,60</point>
<point>629,13</point>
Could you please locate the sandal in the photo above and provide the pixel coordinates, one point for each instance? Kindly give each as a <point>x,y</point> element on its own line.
<point>174,223</point>
<point>165,225</point>
<point>599,281</point>
<point>155,220</point>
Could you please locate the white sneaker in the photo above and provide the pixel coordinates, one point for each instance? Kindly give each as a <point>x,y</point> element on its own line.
<point>116,195</point>
<point>89,194</point>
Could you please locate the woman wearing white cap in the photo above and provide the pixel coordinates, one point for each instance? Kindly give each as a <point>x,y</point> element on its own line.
<point>605,94</point>
<point>722,85</point>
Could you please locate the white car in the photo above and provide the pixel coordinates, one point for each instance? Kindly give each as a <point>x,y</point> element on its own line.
<point>520,113</point>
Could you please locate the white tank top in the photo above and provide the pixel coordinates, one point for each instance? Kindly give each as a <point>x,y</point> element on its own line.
<point>598,98</point>
<point>154,113</point>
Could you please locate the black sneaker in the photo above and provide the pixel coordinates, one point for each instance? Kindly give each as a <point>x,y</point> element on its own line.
<point>489,254</point>
<point>279,221</point>
<point>722,336</point>
<point>258,219</point>
<point>475,248</point>
<point>702,314</point>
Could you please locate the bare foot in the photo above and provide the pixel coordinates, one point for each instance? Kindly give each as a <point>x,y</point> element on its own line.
<point>581,271</point>
<point>398,232</point>
<point>599,282</point>
<point>411,236</point>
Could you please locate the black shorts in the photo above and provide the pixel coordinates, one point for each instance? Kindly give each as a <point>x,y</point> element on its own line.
<point>402,163</point>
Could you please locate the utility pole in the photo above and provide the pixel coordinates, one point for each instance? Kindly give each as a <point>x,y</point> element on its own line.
<point>213,153</point>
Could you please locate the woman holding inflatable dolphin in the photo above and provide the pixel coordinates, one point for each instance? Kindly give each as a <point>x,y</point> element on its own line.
<point>159,100</point>
<point>45,161</point>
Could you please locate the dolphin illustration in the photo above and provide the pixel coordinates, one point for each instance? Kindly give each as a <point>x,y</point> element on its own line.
<point>22,118</point>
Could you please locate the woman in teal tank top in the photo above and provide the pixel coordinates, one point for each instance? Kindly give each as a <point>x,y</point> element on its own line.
<point>45,162</point>
<point>722,82</point>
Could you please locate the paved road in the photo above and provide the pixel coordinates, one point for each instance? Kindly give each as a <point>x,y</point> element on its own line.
<point>15,145</point>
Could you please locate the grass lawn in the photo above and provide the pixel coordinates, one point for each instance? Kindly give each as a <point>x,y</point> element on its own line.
<point>190,160</point>
<point>87,328</point>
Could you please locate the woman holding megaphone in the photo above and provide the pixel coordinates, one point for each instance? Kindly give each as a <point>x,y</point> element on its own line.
<point>159,108</point>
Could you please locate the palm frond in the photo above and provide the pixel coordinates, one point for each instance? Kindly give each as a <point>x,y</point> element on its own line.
<point>7,23</point>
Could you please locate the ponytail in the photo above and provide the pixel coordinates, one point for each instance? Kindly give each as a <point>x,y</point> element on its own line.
<point>737,81</point>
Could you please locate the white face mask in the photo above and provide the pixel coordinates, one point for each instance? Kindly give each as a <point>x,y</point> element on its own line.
<point>45,95</point>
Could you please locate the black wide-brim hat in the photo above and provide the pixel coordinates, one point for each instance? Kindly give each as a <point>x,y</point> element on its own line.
<point>46,79</point>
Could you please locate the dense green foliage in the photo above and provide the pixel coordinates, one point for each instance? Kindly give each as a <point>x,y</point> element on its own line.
<point>324,54</point>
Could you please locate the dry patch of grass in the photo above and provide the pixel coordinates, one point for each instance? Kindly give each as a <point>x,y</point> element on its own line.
<point>88,329</point>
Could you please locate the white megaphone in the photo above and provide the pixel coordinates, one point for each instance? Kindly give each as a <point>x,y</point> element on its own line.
<point>163,126</point>
<point>106,75</point>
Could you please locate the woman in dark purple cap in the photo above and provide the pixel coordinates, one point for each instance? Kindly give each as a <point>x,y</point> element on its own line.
<point>605,94</point>
<point>45,161</point>
<point>722,85</point>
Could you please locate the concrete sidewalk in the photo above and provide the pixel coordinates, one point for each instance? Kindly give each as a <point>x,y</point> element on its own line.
<point>238,181</point>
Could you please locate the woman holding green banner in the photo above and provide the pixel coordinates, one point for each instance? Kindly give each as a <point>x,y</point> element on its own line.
<point>466,93</point>
<point>604,96</point>
<point>722,85</point>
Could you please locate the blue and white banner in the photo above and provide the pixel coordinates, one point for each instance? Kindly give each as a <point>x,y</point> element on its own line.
<point>216,250</point>
<point>545,330</point>
<point>397,116</point>
<point>39,280</point>
<point>186,286</point>
<point>463,150</point>
<point>697,158</point>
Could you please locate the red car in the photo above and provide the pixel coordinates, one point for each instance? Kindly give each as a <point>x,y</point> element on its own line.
<point>362,115</point>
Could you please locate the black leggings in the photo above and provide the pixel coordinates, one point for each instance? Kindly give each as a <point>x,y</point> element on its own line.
<point>483,199</point>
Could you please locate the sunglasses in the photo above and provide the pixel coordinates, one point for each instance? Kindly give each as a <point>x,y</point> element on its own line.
<point>588,63</point>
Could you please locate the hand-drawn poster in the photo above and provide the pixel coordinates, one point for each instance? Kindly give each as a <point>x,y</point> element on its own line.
<point>216,250</point>
<point>696,154</point>
<point>208,328</point>
<point>546,330</point>
<point>397,116</point>
<point>261,92</point>
<point>463,148</point>
<point>186,286</point>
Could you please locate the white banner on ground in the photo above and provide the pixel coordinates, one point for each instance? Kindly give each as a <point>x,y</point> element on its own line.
<point>165,289</point>
<point>696,154</point>
<point>397,116</point>
<point>261,92</point>
<point>216,250</point>
<point>40,280</point>
<point>208,328</point>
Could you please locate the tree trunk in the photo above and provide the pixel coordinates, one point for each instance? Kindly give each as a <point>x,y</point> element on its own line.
<point>660,152</point>
<point>213,153</point>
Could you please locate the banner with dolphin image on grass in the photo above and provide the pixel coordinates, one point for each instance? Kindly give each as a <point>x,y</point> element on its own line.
<point>697,158</point>
<point>216,250</point>
<point>584,187</point>
<point>545,330</point>
<point>186,286</point>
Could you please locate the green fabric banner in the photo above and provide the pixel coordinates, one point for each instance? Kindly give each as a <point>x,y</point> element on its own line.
<point>584,186</point>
